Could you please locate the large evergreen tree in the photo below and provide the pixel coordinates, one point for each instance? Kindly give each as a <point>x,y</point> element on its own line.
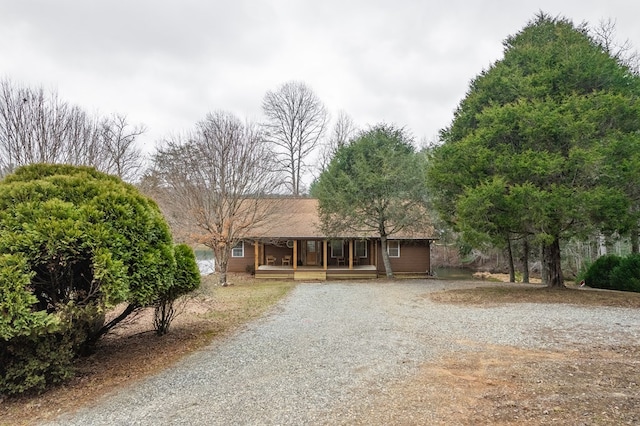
<point>374,185</point>
<point>529,150</point>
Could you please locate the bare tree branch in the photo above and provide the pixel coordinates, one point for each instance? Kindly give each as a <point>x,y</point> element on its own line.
<point>296,123</point>
<point>37,127</point>
<point>215,183</point>
<point>343,131</point>
<point>605,35</point>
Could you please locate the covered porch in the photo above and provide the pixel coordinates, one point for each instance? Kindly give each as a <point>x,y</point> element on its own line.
<point>315,259</point>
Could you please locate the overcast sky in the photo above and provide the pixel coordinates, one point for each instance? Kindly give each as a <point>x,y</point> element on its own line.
<point>165,64</point>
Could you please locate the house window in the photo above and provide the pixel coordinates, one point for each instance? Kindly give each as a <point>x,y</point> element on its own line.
<point>361,248</point>
<point>393,248</point>
<point>238,250</point>
<point>337,248</point>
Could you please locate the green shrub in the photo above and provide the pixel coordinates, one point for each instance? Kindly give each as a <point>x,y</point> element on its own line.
<point>187,279</point>
<point>599,273</point>
<point>30,363</point>
<point>615,273</point>
<point>626,276</point>
<point>74,242</point>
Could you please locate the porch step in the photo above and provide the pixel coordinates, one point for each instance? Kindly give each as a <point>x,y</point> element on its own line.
<point>300,275</point>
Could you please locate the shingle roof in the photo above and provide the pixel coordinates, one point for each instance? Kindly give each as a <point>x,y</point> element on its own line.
<point>297,218</point>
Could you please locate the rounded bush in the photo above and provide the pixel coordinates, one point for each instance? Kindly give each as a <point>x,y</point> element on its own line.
<point>626,275</point>
<point>615,273</point>
<point>187,279</point>
<point>599,273</point>
<point>74,242</point>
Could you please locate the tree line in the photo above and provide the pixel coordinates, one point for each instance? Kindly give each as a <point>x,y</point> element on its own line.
<point>36,126</point>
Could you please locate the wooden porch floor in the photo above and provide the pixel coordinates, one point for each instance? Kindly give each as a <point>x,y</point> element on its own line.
<point>316,272</point>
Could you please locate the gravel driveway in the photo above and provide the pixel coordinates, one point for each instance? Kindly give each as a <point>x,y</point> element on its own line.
<point>320,355</point>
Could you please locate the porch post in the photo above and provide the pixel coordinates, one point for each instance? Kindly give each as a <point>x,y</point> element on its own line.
<point>350,254</point>
<point>324,254</point>
<point>295,255</point>
<point>429,271</point>
<point>256,254</point>
<point>375,259</point>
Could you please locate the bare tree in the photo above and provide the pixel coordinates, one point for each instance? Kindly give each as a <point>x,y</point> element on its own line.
<point>37,127</point>
<point>121,156</point>
<point>343,131</point>
<point>605,35</point>
<point>216,183</point>
<point>296,123</point>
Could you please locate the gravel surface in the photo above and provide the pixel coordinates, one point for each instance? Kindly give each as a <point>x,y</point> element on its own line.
<point>319,355</point>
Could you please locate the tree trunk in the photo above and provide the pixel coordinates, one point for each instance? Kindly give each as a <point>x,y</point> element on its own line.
<point>512,269</point>
<point>222,254</point>
<point>525,260</point>
<point>385,256</point>
<point>93,338</point>
<point>602,245</point>
<point>635,246</point>
<point>223,278</point>
<point>551,265</point>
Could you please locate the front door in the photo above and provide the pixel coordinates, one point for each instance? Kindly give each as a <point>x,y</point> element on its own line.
<point>312,253</point>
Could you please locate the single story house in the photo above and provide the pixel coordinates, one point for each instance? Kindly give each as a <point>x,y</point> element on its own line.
<point>290,245</point>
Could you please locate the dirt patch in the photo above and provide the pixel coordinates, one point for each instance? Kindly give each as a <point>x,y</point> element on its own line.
<point>497,294</point>
<point>509,386</point>
<point>492,276</point>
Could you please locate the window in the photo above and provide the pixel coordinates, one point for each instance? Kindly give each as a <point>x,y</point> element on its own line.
<point>238,250</point>
<point>393,248</point>
<point>360,247</point>
<point>337,248</point>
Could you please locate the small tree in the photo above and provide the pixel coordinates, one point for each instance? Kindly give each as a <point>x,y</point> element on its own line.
<point>120,155</point>
<point>74,243</point>
<point>375,184</point>
<point>216,183</point>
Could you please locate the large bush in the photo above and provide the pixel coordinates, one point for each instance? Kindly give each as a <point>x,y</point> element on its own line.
<point>74,243</point>
<point>615,273</point>
<point>626,276</point>
<point>599,273</point>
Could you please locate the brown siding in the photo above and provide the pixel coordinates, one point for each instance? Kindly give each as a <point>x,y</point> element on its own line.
<point>241,264</point>
<point>414,258</point>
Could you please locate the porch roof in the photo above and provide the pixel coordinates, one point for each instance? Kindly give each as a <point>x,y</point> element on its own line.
<point>297,219</point>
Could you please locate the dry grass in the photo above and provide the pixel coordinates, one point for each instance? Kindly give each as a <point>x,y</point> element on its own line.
<point>502,385</point>
<point>491,295</point>
<point>134,351</point>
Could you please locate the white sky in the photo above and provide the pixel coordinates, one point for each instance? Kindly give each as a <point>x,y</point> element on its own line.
<point>165,64</point>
